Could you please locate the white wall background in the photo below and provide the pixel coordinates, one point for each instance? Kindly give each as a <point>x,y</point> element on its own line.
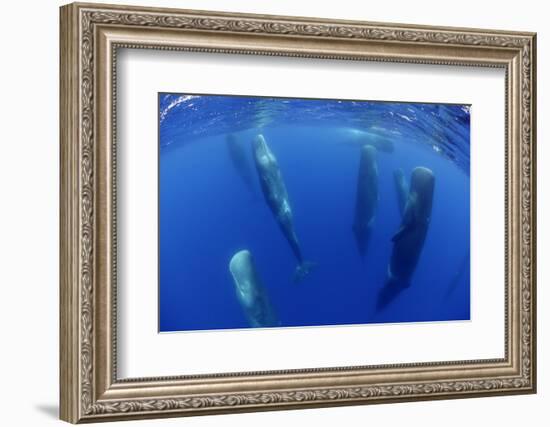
<point>29,170</point>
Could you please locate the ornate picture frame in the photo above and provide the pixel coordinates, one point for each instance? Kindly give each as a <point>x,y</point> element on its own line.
<point>90,37</point>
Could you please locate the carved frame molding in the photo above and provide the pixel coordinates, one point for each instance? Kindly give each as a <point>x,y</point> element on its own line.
<point>90,37</point>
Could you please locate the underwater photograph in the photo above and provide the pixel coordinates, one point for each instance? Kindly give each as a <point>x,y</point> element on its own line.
<point>296,212</point>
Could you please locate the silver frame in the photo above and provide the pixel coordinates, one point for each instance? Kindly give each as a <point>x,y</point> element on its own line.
<point>90,37</point>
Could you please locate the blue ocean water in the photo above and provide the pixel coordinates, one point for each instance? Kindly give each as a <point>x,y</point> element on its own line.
<point>211,206</point>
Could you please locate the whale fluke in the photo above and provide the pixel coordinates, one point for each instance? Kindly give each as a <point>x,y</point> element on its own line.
<point>391,289</point>
<point>302,270</point>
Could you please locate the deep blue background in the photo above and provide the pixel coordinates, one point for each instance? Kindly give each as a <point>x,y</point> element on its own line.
<point>207,213</point>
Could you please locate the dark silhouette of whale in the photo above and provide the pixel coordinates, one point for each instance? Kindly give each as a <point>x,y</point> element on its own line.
<point>460,274</point>
<point>276,197</point>
<point>366,201</point>
<point>409,239</point>
<point>401,188</point>
<point>251,292</point>
<point>241,161</point>
<point>374,137</point>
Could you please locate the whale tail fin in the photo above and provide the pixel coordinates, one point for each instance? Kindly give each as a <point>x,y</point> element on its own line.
<point>391,289</point>
<point>302,270</point>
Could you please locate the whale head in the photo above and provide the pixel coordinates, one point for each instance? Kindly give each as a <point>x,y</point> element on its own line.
<point>422,185</point>
<point>250,291</point>
<point>259,144</point>
<point>262,153</point>
<point>368,152</point>
<point>241,267</point>
<point>368,159</point>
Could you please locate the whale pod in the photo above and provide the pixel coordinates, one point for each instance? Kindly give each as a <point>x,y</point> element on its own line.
<point>408,242</point>
<point>276,197</point>
<point>250,291</point>
<point>366,201</point>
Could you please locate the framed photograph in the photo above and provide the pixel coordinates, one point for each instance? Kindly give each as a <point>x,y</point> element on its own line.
<point>266,212</point>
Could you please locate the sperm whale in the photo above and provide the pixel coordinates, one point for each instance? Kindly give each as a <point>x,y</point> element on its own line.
<point>276,197</point>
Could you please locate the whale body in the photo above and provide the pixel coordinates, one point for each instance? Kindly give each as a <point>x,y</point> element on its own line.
<point>239,158</point>
<point>401,189</point>
<point>460,274</point>
<point>276,197</point>
<point>251,292</point>
<point>373,136</point>
<point>366,200</point>
<point>408,242</point>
